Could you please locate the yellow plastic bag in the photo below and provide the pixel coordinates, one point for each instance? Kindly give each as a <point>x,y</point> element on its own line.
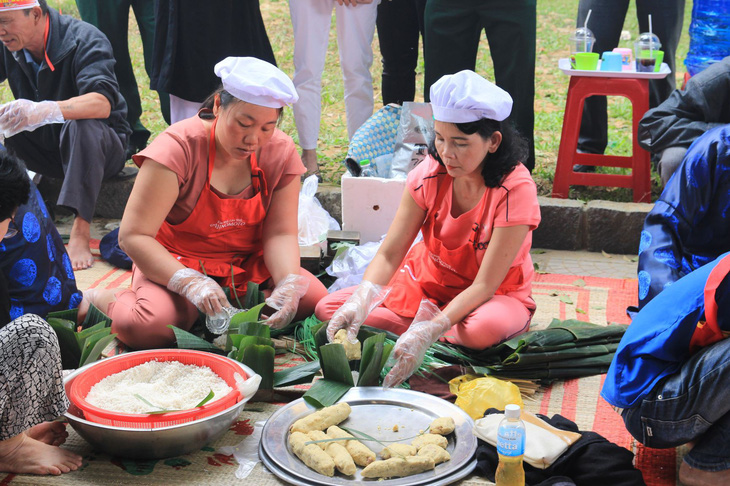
<point>476,394</point>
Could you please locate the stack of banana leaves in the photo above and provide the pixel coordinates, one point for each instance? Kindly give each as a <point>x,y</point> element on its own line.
<point>565,349</point>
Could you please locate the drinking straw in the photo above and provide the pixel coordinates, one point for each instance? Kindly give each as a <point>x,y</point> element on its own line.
<point>651,39</point>
<point>585,29</point>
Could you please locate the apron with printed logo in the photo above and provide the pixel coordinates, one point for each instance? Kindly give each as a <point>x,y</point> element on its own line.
<point>222,237</point>
<point>432,271</point>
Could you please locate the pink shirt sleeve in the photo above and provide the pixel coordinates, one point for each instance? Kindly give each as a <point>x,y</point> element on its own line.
<point>519,205</point>
<point>422,182</point>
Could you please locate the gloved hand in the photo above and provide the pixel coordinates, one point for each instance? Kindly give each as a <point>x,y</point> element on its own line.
<point>410,348</point>
<point>202,291</point>
<point>366,297</point>
<point>285,299</point>
<point>25,116</point>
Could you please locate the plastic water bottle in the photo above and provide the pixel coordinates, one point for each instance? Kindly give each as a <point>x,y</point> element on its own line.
<point>709,34</point>
<point>218,323</point>
<point>511,448</point>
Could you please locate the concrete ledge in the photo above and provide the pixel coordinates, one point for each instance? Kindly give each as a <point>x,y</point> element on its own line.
<point>567,224</point>
<point>112,198</point>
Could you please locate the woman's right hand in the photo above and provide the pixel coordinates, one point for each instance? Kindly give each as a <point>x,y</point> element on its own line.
<point>202,291</point>
<point>366,297</point>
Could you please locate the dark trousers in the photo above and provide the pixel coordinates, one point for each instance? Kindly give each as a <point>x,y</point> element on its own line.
<point>453,30</point>
<point>400,24</point>
<point>606,23</point>
<point>81,152</point>
<point>112,18</point>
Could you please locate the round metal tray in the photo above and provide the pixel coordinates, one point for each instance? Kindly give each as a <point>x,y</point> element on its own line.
<point>285,476</point>
<point>375,411</point>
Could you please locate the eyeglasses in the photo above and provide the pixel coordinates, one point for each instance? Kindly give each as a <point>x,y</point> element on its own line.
<point>12,229</point>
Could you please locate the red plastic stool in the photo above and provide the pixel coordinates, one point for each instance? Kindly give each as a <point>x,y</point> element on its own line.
<point>581,87</point>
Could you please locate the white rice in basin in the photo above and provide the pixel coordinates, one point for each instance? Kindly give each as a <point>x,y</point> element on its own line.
<point>169,385</point>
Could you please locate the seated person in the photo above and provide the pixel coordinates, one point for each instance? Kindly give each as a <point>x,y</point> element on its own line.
<point>68,120</point>
<point>476,205</point>
<point>669,129</point>
<point>214,204</point>
<point>34,265</point>
<point>688,226</point>
<point>668,377</point>
<point>31,384</point>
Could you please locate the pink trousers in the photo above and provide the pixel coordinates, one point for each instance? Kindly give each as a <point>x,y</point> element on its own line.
<point>500,318</point>
<point>140,315</point>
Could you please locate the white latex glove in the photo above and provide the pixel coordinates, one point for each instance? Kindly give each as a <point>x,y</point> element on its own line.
<point>366,297</point>
<point>202,291</point>
<point>285,299</point>
<point>428,325</point>
<point>25,116</point>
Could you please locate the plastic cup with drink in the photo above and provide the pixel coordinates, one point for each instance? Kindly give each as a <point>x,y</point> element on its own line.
<point>582,40</point>
<point>648,53</point>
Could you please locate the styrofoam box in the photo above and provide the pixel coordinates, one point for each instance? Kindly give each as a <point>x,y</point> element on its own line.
<point>369,205</point>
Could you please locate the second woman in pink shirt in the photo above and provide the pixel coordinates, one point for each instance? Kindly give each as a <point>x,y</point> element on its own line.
<point>469,280</point>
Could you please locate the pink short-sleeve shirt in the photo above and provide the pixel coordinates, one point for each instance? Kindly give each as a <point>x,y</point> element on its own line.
<point>183,148</point>
<point>513,203</point>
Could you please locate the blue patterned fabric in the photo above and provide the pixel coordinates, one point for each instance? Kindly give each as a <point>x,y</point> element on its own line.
<point>377,135</point>
<point>689,225</point>
<point>38,271</point>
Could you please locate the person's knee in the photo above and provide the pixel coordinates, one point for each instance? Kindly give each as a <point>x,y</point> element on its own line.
<point>669,162</point>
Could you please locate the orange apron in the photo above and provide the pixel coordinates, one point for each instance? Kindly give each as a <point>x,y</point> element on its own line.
<point>432,271</point>
<point>222,237</point>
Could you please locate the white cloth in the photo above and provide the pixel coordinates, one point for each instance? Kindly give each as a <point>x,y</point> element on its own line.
<point>467,97</point>
<point>544,444</point>
<point>181,109</point>
<point>311,21</point>
<point>257,82</point>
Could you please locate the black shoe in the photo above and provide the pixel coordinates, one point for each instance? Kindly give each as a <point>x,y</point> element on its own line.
<point>584,168</point>
<point>127,172</point>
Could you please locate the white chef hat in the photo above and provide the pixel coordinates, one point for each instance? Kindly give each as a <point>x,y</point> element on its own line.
<point>466,97</point>
<point>255,81</point>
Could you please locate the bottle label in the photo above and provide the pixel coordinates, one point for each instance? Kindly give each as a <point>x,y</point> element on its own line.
<point>510,442</point>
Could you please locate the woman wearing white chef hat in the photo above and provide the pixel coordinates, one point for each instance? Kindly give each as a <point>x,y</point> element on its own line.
<point>214,204</point>
<point>469,280</point>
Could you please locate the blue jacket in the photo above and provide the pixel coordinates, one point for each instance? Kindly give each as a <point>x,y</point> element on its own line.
<point>689,225</point>
<point>667,331</point>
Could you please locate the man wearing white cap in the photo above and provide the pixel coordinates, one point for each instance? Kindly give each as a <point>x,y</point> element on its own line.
<point>214,205</point>
<point>68,117</point>
<point>469,280</point>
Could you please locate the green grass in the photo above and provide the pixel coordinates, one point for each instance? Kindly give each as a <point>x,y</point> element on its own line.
<point>556,20</point>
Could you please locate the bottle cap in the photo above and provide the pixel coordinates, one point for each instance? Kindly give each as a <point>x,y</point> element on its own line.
<point>364,162</point>
<point>512,411</point>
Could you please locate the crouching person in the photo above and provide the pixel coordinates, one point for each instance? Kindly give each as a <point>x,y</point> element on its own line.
<point>670,377</point>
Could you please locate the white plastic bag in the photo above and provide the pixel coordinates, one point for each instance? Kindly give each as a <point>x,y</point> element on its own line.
<point>314,220</point>
<point>414,134</point>
<point>349,266</point>
<point>246,452</point>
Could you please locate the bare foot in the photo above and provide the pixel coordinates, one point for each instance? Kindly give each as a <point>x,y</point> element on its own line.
<point>101,298</point>
<point>51,433</point>
<point>309,158</point>
<point>25,455</point>
<point>690,476</point>
<point>78,245</point>
<point>89,297</point>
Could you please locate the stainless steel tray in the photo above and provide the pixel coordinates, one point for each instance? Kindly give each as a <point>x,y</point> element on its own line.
<point>285,476</point>
<point>375,411</point>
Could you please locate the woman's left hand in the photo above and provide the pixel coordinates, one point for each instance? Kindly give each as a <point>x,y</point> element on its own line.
<point>410,348</point>
<point>285,299</point>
